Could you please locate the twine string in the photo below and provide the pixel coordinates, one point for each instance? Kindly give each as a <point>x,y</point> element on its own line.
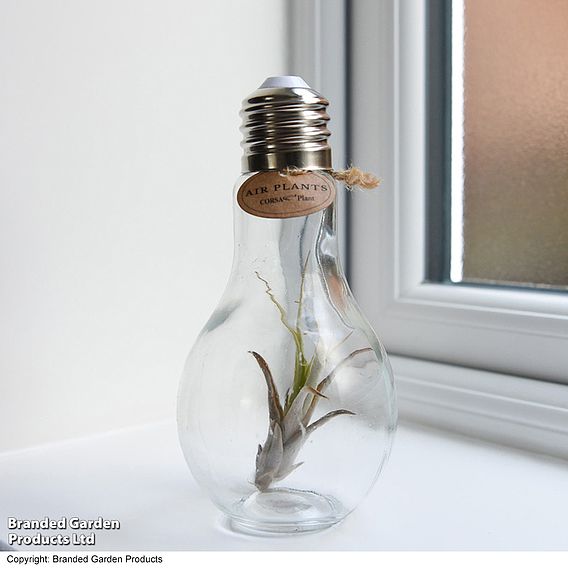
<point>352,177</point>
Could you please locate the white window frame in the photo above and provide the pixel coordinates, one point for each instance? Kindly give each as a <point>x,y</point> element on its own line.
<point>499,332</point>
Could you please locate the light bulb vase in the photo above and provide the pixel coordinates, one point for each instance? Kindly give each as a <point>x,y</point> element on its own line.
<point>286,407</point>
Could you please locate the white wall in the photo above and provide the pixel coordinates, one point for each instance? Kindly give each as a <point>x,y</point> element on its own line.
<point>119,146</point>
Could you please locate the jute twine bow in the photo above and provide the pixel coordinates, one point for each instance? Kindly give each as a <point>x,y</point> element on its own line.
<point>352,177</point>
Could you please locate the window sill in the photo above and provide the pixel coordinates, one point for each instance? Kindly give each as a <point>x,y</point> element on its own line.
<point>439,492</point>
<point>518,412</point>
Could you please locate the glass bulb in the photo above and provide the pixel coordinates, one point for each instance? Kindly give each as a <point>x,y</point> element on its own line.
<point>286,407</point>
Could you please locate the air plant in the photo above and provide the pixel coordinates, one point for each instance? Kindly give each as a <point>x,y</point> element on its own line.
<point>290,420</point>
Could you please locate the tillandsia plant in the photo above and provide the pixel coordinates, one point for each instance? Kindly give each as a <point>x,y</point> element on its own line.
<point>290,420</point>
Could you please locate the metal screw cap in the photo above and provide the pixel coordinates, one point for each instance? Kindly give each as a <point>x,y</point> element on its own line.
<point>285,125</point>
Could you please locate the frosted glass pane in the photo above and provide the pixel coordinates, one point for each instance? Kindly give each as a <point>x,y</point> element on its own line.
<point>516,142</point>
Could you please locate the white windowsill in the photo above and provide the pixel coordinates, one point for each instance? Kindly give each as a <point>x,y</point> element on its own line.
<point>519,412</point>
<point>439,491</point>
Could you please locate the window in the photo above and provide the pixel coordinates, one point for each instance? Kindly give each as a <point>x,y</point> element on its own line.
<point>471,303</point>
<point>497,128</point>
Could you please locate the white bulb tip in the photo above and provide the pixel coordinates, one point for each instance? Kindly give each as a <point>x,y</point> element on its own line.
<point>284,82</point>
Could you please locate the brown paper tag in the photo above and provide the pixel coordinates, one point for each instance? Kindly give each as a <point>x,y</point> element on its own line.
<point>276,196</point>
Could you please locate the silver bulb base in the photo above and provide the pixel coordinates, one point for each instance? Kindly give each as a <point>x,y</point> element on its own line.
<point>285,126</point>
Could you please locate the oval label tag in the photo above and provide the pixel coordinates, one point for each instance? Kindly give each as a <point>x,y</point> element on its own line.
<point>273,195</point>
